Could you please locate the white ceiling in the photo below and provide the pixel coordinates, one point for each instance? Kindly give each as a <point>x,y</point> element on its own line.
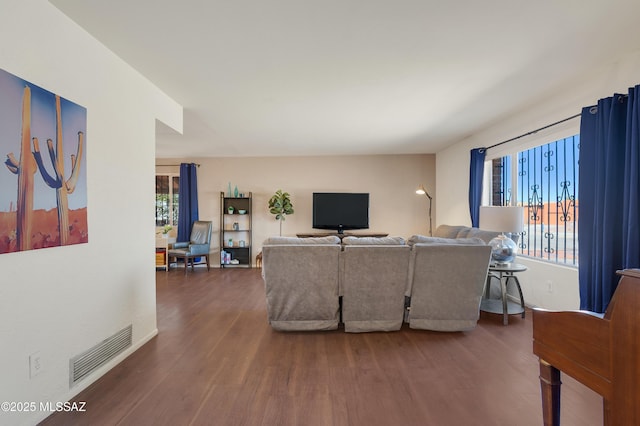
<point>340,77</point>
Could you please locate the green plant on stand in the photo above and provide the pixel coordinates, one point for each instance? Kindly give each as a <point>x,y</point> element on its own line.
<point>280,205</point>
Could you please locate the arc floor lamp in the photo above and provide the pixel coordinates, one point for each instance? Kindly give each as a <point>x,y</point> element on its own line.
<point>422,191</point>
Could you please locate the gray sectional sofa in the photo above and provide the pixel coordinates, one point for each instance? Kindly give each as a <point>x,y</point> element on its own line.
<point>377,284</point>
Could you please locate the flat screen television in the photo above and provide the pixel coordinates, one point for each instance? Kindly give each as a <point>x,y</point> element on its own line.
<point>340,211</point>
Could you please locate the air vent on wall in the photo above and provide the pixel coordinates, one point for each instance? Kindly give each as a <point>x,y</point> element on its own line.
<point>87,362</point>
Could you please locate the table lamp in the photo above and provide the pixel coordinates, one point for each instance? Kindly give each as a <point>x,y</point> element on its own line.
<point>502,219</point>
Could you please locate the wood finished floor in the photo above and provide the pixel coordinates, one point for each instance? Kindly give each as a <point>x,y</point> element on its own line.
<point>216,361</point>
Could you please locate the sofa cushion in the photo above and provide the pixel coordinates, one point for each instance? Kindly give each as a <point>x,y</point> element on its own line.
<point>373,241</point>
<point>449,231</point>
<point>486,236</point>
<point>331,239</point>
<point>423,239</point>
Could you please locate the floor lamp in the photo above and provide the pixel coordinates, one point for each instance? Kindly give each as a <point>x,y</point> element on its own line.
<point>422,191</point>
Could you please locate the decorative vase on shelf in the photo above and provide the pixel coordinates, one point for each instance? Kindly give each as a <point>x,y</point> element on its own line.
<point>229,193</point>
<point>235,192</point>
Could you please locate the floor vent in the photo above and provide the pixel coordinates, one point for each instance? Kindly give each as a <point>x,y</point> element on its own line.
<point>88,361</point>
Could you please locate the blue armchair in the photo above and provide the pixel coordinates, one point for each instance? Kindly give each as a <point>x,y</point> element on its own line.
<point>197,246</point>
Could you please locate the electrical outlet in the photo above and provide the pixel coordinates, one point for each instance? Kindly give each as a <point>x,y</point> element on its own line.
<point>549,286</point>
<point>35,364</point>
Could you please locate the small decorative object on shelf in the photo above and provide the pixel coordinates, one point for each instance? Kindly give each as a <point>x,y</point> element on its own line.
<point>235,192</point>
<point>235,229</point>
<point>225,258</point>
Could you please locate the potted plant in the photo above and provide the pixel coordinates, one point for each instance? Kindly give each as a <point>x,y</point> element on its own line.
<point>280,205</point>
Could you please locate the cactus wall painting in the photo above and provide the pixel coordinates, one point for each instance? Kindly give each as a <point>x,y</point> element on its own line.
<point>43,194</point>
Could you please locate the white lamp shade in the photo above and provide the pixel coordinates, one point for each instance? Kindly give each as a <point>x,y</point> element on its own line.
<point>502,218</point>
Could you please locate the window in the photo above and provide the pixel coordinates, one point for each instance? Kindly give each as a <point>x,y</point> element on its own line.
<point>167,200</point>
<point>547,187</point>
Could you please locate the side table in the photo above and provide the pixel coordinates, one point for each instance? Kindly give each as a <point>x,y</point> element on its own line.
<point>504,273</point>
<point>162,247</point>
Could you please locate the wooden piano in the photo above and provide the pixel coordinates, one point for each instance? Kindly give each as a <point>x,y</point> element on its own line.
<point>602,352</point>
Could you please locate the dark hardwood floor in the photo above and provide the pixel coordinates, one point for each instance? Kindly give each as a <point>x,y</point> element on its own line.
<point>216,361</point>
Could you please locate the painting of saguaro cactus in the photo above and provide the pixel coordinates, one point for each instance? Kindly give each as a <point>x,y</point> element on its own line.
<point>32,215</point>
<point>25,168</point>
<point>58,182</point>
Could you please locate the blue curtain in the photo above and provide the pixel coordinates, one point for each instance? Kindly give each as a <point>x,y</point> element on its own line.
<point>476,173</point>
<point>187,201</point>
<point>631,206</point>
<point>609,224</point>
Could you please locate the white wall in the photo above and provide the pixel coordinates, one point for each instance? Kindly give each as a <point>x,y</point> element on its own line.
<point>452,166</point>
<point>391,181</point>
<point>62,301</point>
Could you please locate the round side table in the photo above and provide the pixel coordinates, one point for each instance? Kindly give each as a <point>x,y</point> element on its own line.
<point>504,273</point>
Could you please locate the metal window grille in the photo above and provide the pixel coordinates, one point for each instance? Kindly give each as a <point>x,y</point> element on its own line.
<point>167,190</point>
<point>501,182</point>
<point>548,190</point>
